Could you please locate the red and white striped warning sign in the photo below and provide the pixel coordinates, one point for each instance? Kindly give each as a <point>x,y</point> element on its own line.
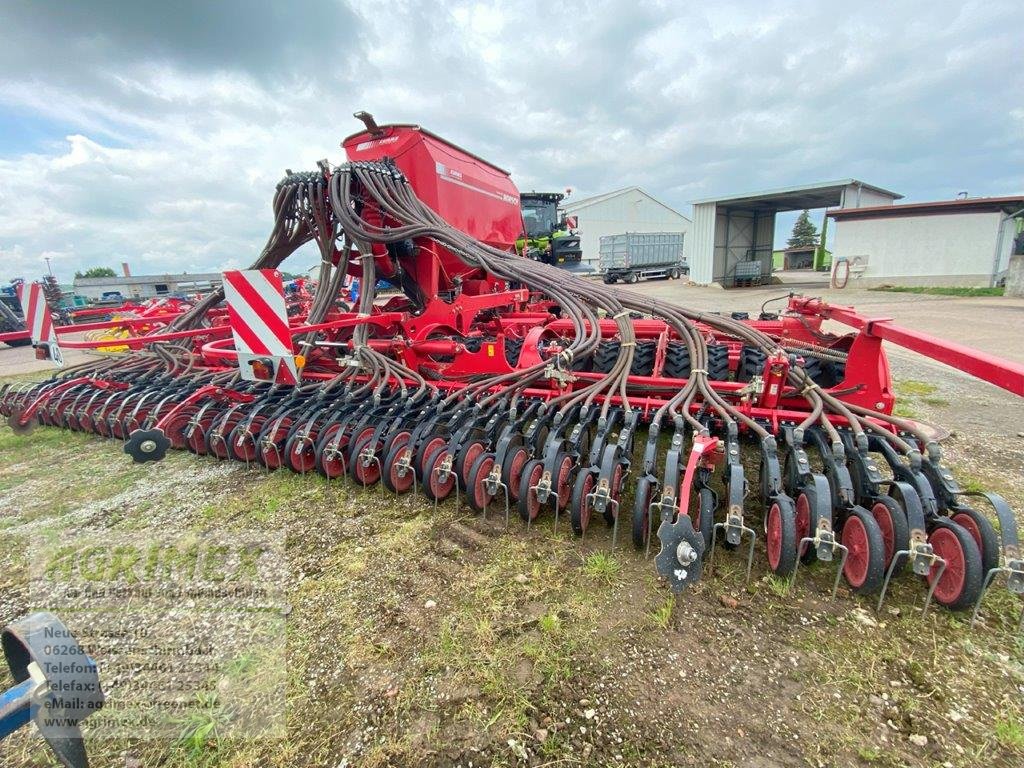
<point>38,320</point>
<point>259,323</point>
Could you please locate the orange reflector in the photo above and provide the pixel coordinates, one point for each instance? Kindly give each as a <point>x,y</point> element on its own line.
<point>300,361</point>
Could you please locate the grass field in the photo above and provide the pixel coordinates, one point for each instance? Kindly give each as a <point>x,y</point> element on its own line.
<point>940,290</point>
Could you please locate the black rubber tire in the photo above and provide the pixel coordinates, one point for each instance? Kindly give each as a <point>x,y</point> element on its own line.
<point>581,515</point>
<point>708,501</point>
<point>983,533</point>
<point>673,274</point>
<point>874,556</point>
<point>644,354</point>
<point>631,278</point>
<point>513,349</point>
<point>18,342</point>
<point>389,460</point>
<point>428,483</point>
<point>751,363</point>
<point>642,497</point>
<point>780,534</point>
<point>815,368</point>
<point>463,464</point>
<point>677,361</point>
<point>474,477</point>
<point>973,576</point>
<point>718,362</point>
<point>605,355</point>
<point>836,372</point>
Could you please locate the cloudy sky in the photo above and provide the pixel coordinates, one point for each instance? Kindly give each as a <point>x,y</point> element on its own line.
<point>154,132</point>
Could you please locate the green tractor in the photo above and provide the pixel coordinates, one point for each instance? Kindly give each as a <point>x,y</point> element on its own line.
<point>549,236</point>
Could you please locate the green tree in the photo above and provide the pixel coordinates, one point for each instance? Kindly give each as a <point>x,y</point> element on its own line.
<point>97,272</point>
<point>804,231</point>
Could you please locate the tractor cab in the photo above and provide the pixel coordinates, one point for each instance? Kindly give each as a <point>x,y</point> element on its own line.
<point>548,235</point>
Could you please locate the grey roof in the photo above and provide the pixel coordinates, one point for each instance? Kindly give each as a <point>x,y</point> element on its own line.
<point>586,202</point>
<point>821,194</point>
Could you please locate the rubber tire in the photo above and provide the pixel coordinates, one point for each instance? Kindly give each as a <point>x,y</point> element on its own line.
<point>707,502</point>
<point>780,537</point>
<point>718,362</point>
<point>605,355</point>
<point>751,363</point>
<point>874,556</point>
<point>677,361</point>
<point>475,489</point>
<point>983,533</point>
<point>631,278</point>
<point>440,492</point>
<point>370,474</point>
<point>581,514</point>
<point>945,538</point>
<point>529,478</point>
<point>511,476</point>
<point>642,497</point>
<point>644,354</point>
<point>892,522</point>
<point>396,484</point>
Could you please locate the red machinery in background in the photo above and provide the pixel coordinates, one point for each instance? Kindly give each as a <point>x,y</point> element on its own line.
<point>506,381</point>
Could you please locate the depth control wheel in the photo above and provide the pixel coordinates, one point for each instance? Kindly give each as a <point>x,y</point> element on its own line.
<point>529,505</point>
<point>642,498</point>
<point>780,536</point>
<point>959,585</point>
<point>586,480</point>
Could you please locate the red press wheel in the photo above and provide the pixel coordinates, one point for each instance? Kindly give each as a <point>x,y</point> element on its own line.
<point>563,481</point>
<point>364,474</point>
<point>363,434</point>
<point>195,438</point>
<point>892,522</point>
<point>582,488</point>
<point>476,488</point>
<point>392,480</point>
<point>423,454</point>
<point>803,522</point>
<point>301,454</point>
<point>512,470</point>
<point>465,460</point>
<point>175,429</point>
<point>529,505</point>
<point>434,487</point>
<point>865,564</point>
<point>330,459</point>
<point>984,534</point>
<point>960,583</point>
<point>780,537</point>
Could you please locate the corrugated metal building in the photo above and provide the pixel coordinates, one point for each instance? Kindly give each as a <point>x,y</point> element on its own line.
<point>963,243</point>
<point>619,212</point>
<point>740,229</point>
<point>147,286</point>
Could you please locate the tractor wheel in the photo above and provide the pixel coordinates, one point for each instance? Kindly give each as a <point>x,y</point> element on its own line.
<point>513,349</point>
<point>780,536</point>
<point>865,564</point>
<point>960,584</point>
<point>642,498</point>
<point>983,533</point>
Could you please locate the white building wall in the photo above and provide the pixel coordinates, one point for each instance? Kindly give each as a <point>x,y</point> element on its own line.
<point>632,211</point>
<point>701,250</point>
<point>861,197</point>
<point>942,249</point>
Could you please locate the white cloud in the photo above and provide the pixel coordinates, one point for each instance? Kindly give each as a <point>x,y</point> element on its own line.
<point>160,137</point>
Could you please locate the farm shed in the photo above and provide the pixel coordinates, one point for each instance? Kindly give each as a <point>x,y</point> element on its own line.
<point>946,243</point>
<point>624,210</point>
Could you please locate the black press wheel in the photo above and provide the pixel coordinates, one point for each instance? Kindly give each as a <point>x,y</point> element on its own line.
<point>585,483</point>
<point>529,504</point>
<point>642,498</point>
